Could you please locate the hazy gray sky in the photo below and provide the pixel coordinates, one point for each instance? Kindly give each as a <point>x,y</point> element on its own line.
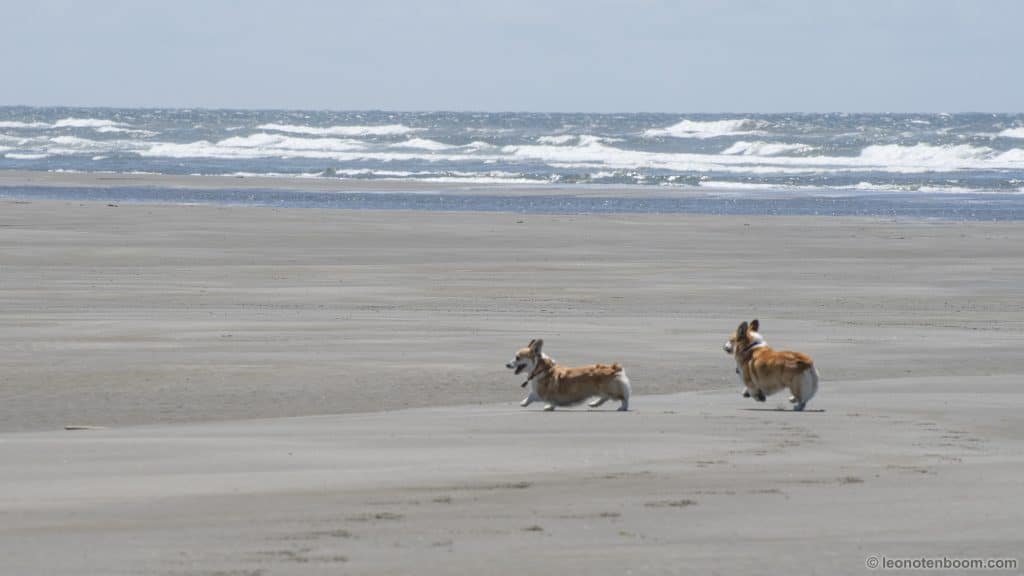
<point>530,55</point>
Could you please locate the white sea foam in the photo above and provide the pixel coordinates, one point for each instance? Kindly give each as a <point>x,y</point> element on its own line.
<point>590,154</point>
<point>382,130</point>
<point>16,124</point>
<point>279,142</point>
<point>904,188</point>
<point>706,129</point>
<point>725,185</point>
<point>478,145</point>
<point>367,172</point>
<point>263,145</point>
<point>99,125</point>
<point>25,156</point>
<point>484,180</point>
<point>885,158</point>
<point>765,148</point>
<point>76,141</point>
<point>558,140</point>
<point>927,156</point>
<point>588,139</point>
<point>116,129</point>
<point>454,177</point>
<point>95,123</point>
<point>423,144</point>
<point>1013,158</point>
<point>260,145</point>
<point>74,145</point>
<point>805,189</point>
<point>1013,132</point>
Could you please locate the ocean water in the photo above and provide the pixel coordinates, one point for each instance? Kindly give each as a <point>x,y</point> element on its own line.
<point>947,165</point>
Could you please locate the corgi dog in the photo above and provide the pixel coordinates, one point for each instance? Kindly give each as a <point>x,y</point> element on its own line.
<point>765,371</point>
<point>561,386</point>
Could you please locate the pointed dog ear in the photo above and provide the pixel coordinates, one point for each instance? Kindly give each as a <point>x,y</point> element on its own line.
<point>755,325</point>
<point>530,345</point>
<point>741,331</point>
<point>537,344</point>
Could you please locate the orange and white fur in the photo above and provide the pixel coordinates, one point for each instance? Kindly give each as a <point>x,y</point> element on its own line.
<point>765,371</point>
<point>560,386</point>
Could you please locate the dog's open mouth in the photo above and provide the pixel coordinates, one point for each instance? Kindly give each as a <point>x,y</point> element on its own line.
<point>520,368</point>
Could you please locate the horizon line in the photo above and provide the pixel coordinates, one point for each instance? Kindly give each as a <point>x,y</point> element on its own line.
<point>484,111</point>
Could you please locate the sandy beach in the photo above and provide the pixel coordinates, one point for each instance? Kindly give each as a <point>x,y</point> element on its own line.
<point>272,391</point>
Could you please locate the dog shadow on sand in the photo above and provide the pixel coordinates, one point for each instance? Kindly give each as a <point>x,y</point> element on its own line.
<point>784,409</point>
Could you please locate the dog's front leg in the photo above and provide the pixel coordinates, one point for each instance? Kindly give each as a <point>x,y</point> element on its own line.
<point>528,400</point>
<point>739,374</point>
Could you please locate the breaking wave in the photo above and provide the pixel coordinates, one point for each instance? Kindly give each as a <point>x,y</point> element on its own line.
<point>88,123</point>
<point>383,130</point>
<point>907,152</point>
<point>706,129</point>
<point>558,140</point>
<point>765,148</point>
<point>21,125</point>
<point>423,144</point>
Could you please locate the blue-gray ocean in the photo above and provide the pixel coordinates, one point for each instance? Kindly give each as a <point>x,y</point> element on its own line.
<point>948,166</point>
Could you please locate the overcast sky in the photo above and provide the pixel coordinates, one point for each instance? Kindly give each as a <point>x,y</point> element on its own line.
<point>525,55</point>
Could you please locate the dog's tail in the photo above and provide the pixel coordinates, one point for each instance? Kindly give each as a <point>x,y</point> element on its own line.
<point>808,385</point>
<point>625,389</point>
<point>616,368</point>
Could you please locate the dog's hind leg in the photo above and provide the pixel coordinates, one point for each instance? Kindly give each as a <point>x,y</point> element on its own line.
<point>549,408</point>
<point>598,402</point>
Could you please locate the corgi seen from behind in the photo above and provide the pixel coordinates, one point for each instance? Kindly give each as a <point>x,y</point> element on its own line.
<point>765,371</point>
<point>561,386</point>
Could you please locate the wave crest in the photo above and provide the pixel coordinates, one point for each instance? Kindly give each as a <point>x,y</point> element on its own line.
<point>17,124</point>
<point>759,148</point>
<point>380,130</point>
<point>94,123</point>
<point>706,129</point>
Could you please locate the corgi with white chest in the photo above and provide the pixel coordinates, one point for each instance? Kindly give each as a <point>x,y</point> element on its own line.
<point>562,386</point>
<point>765,371</point>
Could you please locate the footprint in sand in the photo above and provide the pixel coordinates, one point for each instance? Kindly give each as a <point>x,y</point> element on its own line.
<point>683,503</point>
<point>375,516</point>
